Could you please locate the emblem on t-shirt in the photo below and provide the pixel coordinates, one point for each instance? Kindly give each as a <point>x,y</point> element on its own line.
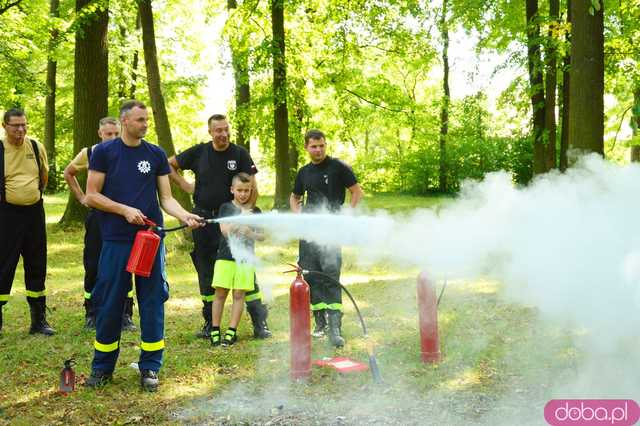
<point>326,179</point>
<point>232,165</point>
<point>144,167</point>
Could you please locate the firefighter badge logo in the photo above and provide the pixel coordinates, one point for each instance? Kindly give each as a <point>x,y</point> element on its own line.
<point>232,165</point>
<point>144,167</point>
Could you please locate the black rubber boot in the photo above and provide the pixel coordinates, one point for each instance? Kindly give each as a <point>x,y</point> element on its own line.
<point>89,315</point>
<point>207,313</point>
<point>320,317</point>
<point>127,316</point>
<point>335,323</point>
<point>98,378</point>
<point>149,380</point>
<point>258,312</point>
<point>39,322</point>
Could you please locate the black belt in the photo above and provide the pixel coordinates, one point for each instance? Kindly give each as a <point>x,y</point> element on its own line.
<point>206,213</point>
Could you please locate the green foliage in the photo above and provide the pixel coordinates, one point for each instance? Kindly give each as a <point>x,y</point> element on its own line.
<point>365,72</point>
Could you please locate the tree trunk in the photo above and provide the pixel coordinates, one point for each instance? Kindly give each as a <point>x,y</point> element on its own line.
<point>536,90</point>
<point>134,65</point>
<point>50,102</point>
<point>298,123</point>
<point>551,83</point>
<point>444,112</point>
<point>240,62</point>
<point>635,125</point>
<point>566,83</point>
<point>90,91</point>
<point>122,84</point>
<point>160,117</point>
<point>280,114</point>
<point>586,117</point>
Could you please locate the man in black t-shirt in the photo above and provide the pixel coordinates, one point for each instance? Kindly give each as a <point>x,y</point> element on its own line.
<point>324,181</point>
<point>214,165</point>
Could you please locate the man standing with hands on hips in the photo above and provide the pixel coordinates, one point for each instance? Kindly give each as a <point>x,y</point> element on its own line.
<point>127,176</point>
<point>323,181</point>
<point>214,165</point>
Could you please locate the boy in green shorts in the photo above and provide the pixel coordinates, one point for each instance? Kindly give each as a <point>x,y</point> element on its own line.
<point>237,275</point>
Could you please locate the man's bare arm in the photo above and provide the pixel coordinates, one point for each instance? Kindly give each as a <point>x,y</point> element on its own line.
<point>254,191</point>
<point>295,203</point>
<point>70,173</point>
<point>175,176</point>
<point>172,207</point>
<point>95,182</point>
<point>356,194</point>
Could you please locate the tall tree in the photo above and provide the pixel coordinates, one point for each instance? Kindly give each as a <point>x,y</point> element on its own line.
<point>536,85</point>
<point>586,92</point>
<point>566,99</point>
<point>134,64</point>
<point>50,100</point>
<point>551,84</point>
<point>280,114</point>
<point>635,125</point>
<point>90,89</point>
<point>444,111</point>
<point>240,62</point>
<point>161,119</point>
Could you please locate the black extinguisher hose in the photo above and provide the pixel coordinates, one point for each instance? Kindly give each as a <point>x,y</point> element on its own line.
<point>373,363</point>
<point>176,228</point>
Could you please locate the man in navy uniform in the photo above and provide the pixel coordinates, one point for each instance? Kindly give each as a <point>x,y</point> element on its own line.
<point>127,175</point>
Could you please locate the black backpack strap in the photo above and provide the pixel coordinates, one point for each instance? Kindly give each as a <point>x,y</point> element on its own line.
<point>1,172</point>
<point>89,150</point>
<point>36,152</point>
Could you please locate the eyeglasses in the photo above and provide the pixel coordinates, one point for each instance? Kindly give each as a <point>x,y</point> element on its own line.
<point>18,126</point>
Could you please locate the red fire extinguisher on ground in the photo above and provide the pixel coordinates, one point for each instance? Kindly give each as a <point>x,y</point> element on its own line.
<point>300,326</point>
<point>144,250</point>
<point>68,377</point>
<point>428,317</point>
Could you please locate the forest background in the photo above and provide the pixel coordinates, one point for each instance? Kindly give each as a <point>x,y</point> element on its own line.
<point>376,76</point>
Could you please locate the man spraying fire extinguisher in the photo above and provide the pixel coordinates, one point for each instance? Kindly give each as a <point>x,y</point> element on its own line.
<point>127,175</point>
<point>324,181</point>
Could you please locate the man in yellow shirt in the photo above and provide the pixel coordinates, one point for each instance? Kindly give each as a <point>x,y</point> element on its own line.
<point>108,129</point>
<point>23,175</point>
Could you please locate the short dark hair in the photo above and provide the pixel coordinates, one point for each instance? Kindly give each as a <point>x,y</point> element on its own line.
<point>108,120</point>
<point>313,134</point>
<point>216,117</point>
<point>241,177</point>
<point>129,105</point>
<point>13,112</point>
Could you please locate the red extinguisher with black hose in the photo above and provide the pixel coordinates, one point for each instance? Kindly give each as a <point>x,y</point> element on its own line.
<point>300,326</point>
<point>144,250</point>
<point>145,247</point>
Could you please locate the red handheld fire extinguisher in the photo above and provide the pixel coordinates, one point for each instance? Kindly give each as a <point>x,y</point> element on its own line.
<point>300,326</point>
<point>144,250</point>
<point>68,377</point>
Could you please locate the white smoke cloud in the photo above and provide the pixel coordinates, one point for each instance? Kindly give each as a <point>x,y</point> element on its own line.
<point>566,244</point>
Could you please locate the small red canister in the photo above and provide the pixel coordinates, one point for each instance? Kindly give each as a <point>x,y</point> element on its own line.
<point>143,252</point>
<point>67,377</point>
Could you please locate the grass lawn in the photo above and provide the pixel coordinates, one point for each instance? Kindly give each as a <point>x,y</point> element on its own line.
<point>500,360</point>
